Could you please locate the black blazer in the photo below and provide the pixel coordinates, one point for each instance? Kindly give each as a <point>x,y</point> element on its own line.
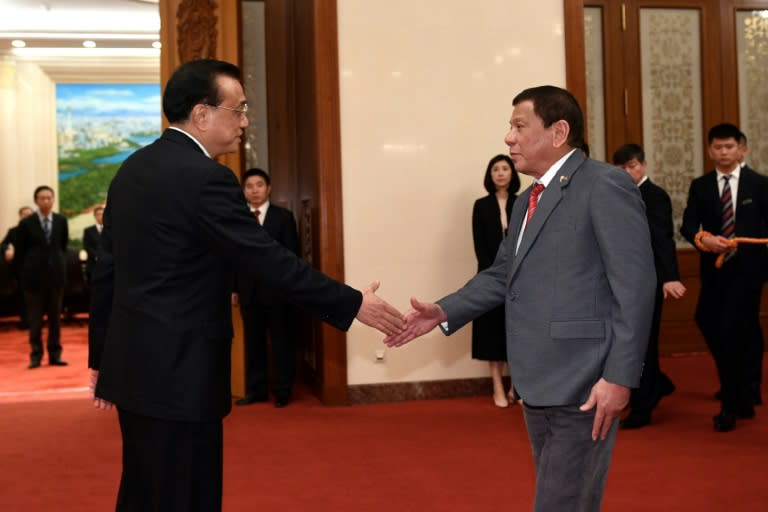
<point>658,209</point>
<point>486,228</point>
<point>91,240</point>
<point>703,212</point>
<point>175,225</point>
<point>281,226</point>
<point>41,262</point>
<point>10,239</point>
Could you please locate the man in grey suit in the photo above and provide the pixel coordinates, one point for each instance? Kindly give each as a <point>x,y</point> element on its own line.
<point>577,279</point>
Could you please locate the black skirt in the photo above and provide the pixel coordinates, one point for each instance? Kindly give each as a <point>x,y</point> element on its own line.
<point>489,341</point>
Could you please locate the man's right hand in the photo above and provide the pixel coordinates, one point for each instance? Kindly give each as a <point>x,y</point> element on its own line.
<point>98,403</point>
<point>420,320</point>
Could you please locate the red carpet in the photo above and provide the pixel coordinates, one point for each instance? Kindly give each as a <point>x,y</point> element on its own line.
<point>441,455</point>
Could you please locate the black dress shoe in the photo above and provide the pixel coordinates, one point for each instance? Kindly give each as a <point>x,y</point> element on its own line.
<point>745,413</point>
<point>724,422</point>
<point>34,363</point>
<point>281,401</point>
<point>635,420</point>
<point>251,399</point>
<point>58,362</point>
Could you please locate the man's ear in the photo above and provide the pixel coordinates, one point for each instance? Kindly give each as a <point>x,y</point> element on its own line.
<point>560,131</point>
<point>200,116</point>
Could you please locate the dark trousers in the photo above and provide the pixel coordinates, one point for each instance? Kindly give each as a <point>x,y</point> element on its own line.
<point>23,317</point>
<point>258,320</point>
<point>170,466</point>
<point>44,302</point>
<point>653,384</point>
<point>571,468</point>
<point>728,316</point>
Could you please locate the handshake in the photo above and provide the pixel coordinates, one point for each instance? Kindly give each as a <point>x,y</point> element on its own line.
<point>399,328</point>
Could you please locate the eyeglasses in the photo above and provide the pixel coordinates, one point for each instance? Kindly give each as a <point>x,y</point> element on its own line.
<point>242,111</point>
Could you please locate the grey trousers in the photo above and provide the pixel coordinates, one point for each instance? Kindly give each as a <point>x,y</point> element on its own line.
<point>571,468</point>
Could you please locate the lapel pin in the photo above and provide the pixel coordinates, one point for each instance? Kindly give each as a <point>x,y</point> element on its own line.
<point>563,179</point>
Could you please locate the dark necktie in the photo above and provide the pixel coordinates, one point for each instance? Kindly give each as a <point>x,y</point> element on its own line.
<point>257,214</point>
<point>533,200</point>
<point>47,229</point>
<point>728,226</point>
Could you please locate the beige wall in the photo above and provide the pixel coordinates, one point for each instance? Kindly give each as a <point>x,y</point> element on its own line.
<point>27,144</point>
<point>426,92</point>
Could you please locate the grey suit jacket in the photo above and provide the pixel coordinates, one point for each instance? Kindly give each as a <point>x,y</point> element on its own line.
<point>578,293</point>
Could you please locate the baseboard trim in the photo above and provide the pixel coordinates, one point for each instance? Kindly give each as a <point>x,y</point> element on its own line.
<point>424,390</point>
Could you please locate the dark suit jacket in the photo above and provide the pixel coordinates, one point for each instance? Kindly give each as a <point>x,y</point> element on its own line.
<point>42,263</point>
<point>703,211</point>
<point>91,240</point>
<point>281,226</point>
<point>658,209</point>
<point>160,325</point>
<point>10,239</point>
<point>486,228</point>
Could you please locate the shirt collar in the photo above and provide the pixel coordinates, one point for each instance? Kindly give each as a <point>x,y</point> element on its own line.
<point>547,177</point>
<point>191,137</point>
<point>735,173</point>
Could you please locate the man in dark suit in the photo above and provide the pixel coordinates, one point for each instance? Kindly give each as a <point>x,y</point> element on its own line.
<point>576,276</point>
<point>654,384</point>
<point>175,226</point>
<point>41,247</point>
<point>92,239</point>
<point>262,309</point>
<point>728,202</point>
<point>8,250</point>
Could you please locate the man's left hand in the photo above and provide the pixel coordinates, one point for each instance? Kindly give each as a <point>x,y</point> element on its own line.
<point>610,399</point>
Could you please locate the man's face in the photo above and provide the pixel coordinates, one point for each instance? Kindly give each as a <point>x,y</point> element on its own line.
<point>530,143</point>
<point>256,191</point>
<point>226,126</point>
<point>726,154</point>
<point>98,214</point>
<point>636,169</point>
<point>25,212</point>
<point>44,201</point>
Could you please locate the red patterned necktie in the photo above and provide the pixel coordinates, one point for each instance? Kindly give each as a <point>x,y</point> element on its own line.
<point>533,200</point>
<point>728,226</point>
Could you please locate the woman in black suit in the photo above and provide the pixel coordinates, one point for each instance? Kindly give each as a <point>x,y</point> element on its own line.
<point>489,227</point>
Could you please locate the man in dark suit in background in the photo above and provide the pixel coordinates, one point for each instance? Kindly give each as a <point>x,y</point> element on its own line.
<point>728,202</point>
<point>654,384</point>
<point>8,250</point>
<point>175,226</point>
<point>575,275</point>
<point>261,308</point>
<point>91,241</point>
<point>41,247</point>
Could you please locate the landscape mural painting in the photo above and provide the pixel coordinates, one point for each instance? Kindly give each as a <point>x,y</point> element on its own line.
<point>98,126</point>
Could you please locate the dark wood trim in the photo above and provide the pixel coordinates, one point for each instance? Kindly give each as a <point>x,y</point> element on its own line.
<point>425,390</point>
<point>575,80</point>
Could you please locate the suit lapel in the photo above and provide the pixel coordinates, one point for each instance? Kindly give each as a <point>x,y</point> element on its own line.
<point>548,201</point>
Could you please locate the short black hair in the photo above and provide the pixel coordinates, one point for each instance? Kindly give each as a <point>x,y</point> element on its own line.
<point>255,171</point>
<point>552,104</point>
<point>194,82</point>
<point>514,183</point>
<point>725,131</point>
<point>40,189</point>
<point>627,152</point>
<point>24,208</point>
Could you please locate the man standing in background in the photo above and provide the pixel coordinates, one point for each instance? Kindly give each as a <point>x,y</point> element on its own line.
<point>92,240</point>
<point>654,384</point>
<point>729,201</point>
<point>261,308</point>
<point>41,248</point>
<point>8,250</point>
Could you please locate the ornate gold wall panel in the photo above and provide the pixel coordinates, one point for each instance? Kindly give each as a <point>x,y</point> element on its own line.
<point>752,51</point>
<point>670,55</point>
